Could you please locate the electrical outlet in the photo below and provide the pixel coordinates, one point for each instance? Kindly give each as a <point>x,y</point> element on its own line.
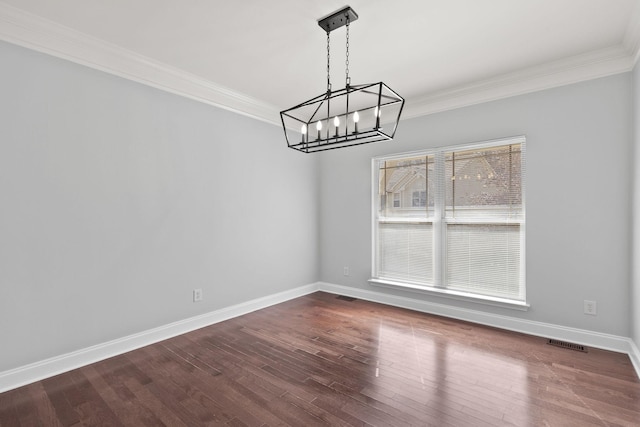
<point>590,307</point>
<point>197,295</point>
<point>346,271</point>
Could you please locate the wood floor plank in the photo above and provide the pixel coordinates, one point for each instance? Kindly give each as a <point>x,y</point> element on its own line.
<point>270,378</point>
<point>319,360</point>
<point>44,410</point>
<point>28,408</point>
<point>196,392</point>
<point>323,416</point>
<point>92,408</point>
<point>332,401</point>
<point>56,387</point>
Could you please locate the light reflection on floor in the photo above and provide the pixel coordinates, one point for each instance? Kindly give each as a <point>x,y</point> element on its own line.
<point>423,366</point>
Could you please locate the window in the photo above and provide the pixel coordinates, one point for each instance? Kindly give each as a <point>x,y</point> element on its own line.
<point>419,199</point>
<point>463,234</point>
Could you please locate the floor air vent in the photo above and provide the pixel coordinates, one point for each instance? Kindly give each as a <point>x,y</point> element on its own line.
<point>568,345</point>
<point>345,298</point>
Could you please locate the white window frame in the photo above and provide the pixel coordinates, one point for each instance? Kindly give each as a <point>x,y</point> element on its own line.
<point>440,222</point>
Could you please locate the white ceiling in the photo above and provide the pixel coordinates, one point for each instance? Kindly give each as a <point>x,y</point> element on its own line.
<point>259,57</point>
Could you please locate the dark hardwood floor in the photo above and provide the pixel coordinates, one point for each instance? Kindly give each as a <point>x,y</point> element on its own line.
<point>322,360</point>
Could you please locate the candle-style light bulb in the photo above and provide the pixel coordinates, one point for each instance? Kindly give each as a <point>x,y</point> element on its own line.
<point>356,119</point>
<point>377,113</point>
<point>336,123</point>
<point>319,127</point>
<point>303,131</point>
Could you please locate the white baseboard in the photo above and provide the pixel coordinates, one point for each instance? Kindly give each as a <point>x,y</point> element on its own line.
<point>634,355</point>
<point>56,365</point>
<point>547,330</point>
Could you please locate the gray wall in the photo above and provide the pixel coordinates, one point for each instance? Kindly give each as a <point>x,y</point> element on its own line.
<point>117,200</point>
<point>578,187</point>
<point>635,283</point>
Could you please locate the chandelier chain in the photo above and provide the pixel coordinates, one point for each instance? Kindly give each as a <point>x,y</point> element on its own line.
<point>347,60</point>
<point>328,63</point>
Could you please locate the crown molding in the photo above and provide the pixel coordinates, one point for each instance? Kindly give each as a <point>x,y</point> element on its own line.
<point>567,71</point>
<point>33,32</point>
<point>632,35</point>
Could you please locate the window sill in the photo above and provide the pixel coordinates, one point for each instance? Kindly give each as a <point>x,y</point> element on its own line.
<point>445,293</point>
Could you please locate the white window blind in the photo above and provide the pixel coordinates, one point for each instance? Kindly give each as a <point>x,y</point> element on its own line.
<point>453,219</point>
<point>484,259</point>
<point>405,251</point>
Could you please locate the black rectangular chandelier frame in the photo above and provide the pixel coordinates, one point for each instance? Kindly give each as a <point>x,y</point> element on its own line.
<point>349,135</point>
<point>332,120</point>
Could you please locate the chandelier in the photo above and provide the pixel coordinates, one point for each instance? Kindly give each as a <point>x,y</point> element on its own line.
<point>354,115</point>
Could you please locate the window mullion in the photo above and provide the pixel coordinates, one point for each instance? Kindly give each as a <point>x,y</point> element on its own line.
<point>438,220</point>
